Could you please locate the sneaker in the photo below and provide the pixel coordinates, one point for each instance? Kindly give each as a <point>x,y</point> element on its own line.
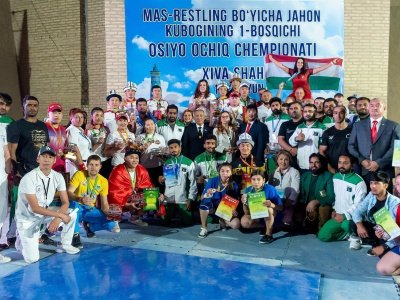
<point>4,259</point>
<point>49,234</point>
<point>11,241</point>
<point>76,241</point>
<point>139,222</point>
<point>4,247</point>
<point>370,252</point>
<point>266,239</point>
<point>89,233</point>
<point>355,242</point>
<point>203,232</point>
<point>67,248</point>
<point>116,228</point>
<point>45,240</point>
<point>222,224</point>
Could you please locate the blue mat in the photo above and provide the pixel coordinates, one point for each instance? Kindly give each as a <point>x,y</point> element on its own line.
<point>105,272</point>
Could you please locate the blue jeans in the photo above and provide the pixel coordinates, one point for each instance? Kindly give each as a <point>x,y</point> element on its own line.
<point>95,217</point>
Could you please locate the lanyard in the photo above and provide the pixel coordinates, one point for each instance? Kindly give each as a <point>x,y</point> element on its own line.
<point>246,163</point>
<point>91,191</point>
<point>46,189</point>
<point>149,138</point>
<point>224,186</point>
<point>277,125</point>
<point>124,138</point>
<point>210,163</point>
<point>177,170</point>
<point>133,179</point>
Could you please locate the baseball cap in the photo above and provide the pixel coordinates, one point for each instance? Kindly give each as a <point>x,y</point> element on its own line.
<point>234,94</point>
<point>48,150</point>
<point>54,106</point>
<point>121,116</point>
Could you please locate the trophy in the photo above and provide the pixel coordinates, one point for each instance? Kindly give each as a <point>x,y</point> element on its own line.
<point>137,199</point>
<point>70,152</point>
<point>114,213</point>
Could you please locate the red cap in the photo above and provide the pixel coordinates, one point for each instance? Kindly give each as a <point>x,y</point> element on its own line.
<point>54,106</point>
<point>234,94</point>
<point>120,116</point>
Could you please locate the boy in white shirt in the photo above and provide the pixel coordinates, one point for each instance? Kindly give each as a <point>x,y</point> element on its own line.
<point>36,192</point>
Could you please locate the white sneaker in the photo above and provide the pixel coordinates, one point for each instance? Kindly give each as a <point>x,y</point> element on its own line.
<point>355,242</point>
<point>4,259</point>
<point>203,232</point>
<point>116,228</point>
<point>67,248</point>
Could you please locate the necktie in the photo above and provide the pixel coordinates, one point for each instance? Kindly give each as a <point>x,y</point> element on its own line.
<point>248,127</point>
<point>200,133</point>
<point>374,131</point>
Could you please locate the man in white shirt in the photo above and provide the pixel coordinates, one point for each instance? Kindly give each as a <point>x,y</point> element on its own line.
<point>36,191</point>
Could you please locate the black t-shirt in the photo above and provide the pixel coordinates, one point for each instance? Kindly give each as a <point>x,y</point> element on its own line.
<point>378,205</point>
<point>30,137</point>
<point>337,141</point>
<point>287,129</point>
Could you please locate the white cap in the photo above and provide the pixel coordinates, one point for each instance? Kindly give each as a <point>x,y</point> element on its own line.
<point>245,138</point>
<point>221,84</point>
<point>130,86</point>
<point>244,84</point>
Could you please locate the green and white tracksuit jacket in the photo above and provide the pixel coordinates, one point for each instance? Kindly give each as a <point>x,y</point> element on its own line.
<point>350,189</point>
<point>274,123</point>
<point>310,145</point>
<point>206,164</point>
<point>183,186</point>
<point>167,132</point>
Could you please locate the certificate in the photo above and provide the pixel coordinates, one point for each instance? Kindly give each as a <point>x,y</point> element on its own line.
<point>150,198</point>
<point>171,174</point>
<point>387,223</point>
<point>256,206</point>
<point>226,207</point>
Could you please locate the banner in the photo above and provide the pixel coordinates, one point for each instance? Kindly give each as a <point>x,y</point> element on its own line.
<point>174,44</point>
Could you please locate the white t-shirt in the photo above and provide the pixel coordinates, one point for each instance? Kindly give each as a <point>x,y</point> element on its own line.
<point>118,157</point>
<point>109,121</point>
<point>3,142</point>
<point>36,183</point>
<point>77,137</point>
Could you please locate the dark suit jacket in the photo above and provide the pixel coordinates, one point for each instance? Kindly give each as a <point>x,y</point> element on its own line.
<point>361,146</point>
<point>191,144</point>
<point>259,133</point>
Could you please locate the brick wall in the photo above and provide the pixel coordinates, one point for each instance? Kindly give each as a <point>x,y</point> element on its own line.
<point>366,46</point>
<point>52,49</point>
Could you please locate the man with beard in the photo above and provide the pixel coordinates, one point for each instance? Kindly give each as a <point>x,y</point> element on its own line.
<point>142,115</point>
<point>275,121</point>
<point>170,127</point>
<point>5,105</point>
<point>329,105</point>
<point>264,111</point>
<point>319,104</point>
<point>288,128</point>
<point>257,130</point>
<point>25,138</point>
<point>372,141</point>
<point>314,207</point>
<point>335,139</point>
<point>307,136</point>
<point>362,109</point>
<point>350,189</point>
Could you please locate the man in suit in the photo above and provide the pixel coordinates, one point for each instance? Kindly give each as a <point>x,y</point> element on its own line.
<point>193,136</point>
<point>257,130</point>
<point>372,139</point>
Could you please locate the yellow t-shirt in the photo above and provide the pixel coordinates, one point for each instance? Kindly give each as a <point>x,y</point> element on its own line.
<point>93,188</point>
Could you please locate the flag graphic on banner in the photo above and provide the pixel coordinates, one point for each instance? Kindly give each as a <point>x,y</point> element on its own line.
<point>327,80</point>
